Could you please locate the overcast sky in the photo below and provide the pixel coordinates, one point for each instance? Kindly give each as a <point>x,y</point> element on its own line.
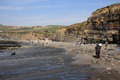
<point>48,12</point>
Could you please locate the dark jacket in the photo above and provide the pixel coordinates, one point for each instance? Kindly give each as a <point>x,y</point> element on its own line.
<point>97,48</point>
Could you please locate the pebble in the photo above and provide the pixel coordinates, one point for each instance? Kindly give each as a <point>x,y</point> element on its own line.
<point>94,61</point>
<point>108,68</point>
<point>109,72</point>
<point>113,64</point>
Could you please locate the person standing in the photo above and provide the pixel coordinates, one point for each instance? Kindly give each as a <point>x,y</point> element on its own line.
<point>97,49</point>
<point>106,45</point>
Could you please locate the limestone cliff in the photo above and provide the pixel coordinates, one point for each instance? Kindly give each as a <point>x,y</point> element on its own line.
<point>105,18</point>
<point>69,33</point>
<point>60,34</point>
<point>103,24</point>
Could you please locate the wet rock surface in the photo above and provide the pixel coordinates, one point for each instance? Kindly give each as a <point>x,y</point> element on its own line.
<point>107,66</point>
<point>40,63</point>
<point>59,61</point>
<point>106,75</point>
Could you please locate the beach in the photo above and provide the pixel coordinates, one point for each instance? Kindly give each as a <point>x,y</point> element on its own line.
<point>58,61</point>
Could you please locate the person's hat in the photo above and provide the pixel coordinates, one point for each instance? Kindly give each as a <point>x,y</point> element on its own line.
<point>100,44</point>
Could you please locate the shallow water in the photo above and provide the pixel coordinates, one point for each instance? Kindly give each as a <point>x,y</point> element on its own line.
<point>41,64</point>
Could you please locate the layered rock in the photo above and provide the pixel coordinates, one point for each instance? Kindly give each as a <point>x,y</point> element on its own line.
<point>107,17</point>
<point>101,26</point>
<point>104,23</point>
<point>60,34</point>
<point>69,33</point>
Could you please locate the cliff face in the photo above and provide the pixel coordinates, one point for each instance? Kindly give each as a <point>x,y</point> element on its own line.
<point>60,35</point>
<point>105,18</point>
<point>103,24</point>
<point>69,33</point>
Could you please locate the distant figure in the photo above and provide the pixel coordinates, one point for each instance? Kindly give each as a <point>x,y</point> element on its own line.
<point>97,49</point>
<point>80,42</point>
<point>106,45</point>
<point>46,39</point>
<point>38,42</point>
<point>13,53</point>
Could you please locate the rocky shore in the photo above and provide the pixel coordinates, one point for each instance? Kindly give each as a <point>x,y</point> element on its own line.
<point>107,66</point>
<point>59,61</point>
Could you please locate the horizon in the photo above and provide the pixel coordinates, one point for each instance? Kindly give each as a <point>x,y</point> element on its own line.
<point>48,12</point>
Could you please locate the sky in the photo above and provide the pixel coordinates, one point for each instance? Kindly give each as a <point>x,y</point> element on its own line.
<point>48,12</point>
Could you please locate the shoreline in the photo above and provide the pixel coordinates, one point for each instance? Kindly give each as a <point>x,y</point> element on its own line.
<point>108,63</point>
<point>81,55</point>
